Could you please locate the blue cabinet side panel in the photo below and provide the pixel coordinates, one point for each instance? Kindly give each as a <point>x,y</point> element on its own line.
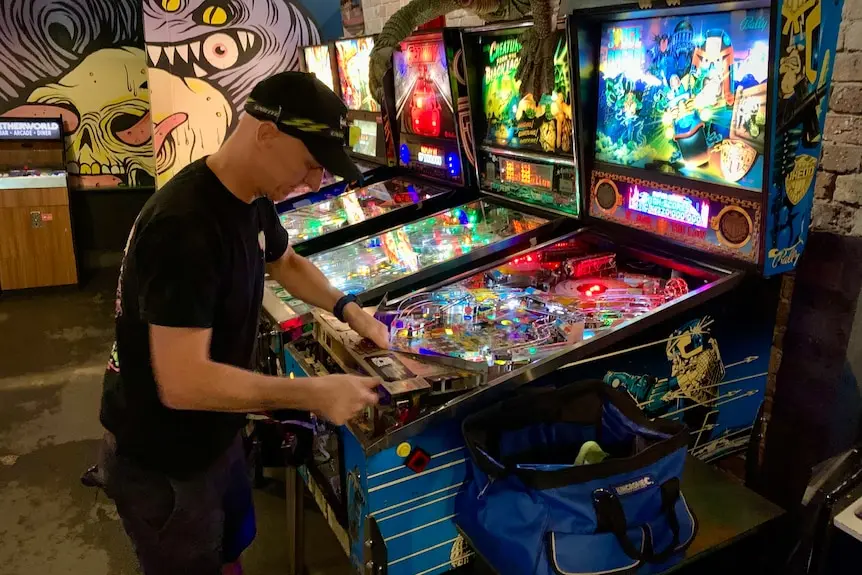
<point>805,40</point>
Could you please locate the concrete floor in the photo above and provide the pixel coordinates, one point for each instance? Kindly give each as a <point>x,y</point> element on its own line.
<point>53,350</point>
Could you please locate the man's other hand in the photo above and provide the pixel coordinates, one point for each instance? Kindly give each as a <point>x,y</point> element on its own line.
<point>338,398</point>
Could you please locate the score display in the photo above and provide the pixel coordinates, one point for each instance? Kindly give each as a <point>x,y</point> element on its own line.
<point>683,209</point>
<point>430,155</point>
<point>527,174</point>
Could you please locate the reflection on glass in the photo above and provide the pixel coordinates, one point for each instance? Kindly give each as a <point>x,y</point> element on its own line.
<point>353,207</point>
<point>372,262</point>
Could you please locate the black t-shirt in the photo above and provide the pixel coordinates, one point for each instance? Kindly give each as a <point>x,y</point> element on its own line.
<point>195,258</point>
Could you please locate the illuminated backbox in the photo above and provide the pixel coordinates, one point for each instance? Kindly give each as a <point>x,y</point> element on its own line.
<point>679,208</point>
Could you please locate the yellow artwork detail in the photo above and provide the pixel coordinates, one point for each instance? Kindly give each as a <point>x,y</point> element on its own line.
<point>171,5</point>
<point>214,16</point>
<point>798,181</point>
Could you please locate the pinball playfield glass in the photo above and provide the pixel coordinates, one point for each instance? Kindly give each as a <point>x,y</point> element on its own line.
<point>533,305</point>
<point>686,95</point>
<point>353,207</point>
<point>378,260</point>
<point>317,61</point>
<point>422,91</point>
<point>540,123</point>
<point>353,57</point>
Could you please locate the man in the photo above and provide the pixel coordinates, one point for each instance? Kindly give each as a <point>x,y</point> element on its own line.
<point>189,296</point>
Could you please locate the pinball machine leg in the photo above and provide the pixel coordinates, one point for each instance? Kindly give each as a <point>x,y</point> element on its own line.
<point>295,522</point>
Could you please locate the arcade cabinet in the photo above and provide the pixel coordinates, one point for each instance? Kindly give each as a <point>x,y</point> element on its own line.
<point>697,130</point>
<point>36,244</point>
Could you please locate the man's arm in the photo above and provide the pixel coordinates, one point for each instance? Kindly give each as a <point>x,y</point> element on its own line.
<point>188,379</point>
<point>303,280</point>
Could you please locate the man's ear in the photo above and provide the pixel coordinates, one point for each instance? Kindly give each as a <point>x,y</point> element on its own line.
<point>266,131</point>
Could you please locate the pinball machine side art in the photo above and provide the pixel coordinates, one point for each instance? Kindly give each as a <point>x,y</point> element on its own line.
<point>805,40</point>
<point>708,369</point>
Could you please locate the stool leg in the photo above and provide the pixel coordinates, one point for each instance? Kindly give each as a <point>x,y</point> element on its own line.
<point>295,522</point>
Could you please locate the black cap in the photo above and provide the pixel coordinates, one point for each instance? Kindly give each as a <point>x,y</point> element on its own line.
<point>302,106</point>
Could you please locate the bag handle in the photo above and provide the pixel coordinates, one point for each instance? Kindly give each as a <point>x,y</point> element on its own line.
<point>611,518</point>
<point>669,496</point>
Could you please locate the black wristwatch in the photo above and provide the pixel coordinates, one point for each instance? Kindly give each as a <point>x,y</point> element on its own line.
<point>338,311</point>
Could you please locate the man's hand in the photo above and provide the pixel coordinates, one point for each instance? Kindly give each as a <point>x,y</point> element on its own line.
<point>338,398</point>
<point>366,325</point>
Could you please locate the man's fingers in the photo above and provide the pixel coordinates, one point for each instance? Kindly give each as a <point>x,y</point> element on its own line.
<point>372,382</point>
<point>370,398</point>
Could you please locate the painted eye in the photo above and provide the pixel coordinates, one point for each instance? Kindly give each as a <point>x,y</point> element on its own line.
<point>221,51</point>
<point>171,5</point>
<point>214,16</point>
<point>213,12</point>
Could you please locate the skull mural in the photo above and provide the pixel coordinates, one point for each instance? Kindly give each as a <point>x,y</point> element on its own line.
<point>41,40</point>
<point>105,109</point>
<point>77,59</point>
<point>229,45</point>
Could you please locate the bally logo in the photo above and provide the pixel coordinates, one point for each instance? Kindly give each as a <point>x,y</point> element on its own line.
<point>635,486</point>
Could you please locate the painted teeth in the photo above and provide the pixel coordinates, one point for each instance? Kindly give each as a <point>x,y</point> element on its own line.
<point>94,169</point>
<point>191,52</point>
<point>183,52</point>
<point>155,53</point>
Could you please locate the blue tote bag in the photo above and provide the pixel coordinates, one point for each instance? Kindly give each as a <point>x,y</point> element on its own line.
<point>529,509</point>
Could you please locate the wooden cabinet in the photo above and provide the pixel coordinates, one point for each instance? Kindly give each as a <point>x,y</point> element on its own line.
<point>36,247</point>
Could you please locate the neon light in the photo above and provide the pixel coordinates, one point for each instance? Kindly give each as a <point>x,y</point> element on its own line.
<point>683,209</point>
<point>430,155</point>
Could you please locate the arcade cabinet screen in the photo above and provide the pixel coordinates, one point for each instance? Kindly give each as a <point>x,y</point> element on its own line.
<point>353,58</point>
<point>686,95</point>
<point>318,63</point>
<point>422,91</point>
<point>543,123</point>
<point>367,144</point>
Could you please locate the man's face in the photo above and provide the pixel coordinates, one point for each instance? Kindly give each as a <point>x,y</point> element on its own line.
<point>289,167</point>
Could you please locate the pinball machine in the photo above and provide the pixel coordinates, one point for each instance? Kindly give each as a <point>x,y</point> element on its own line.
<point>342,66</point>
<point>696,133</point>
<point>391,237</point>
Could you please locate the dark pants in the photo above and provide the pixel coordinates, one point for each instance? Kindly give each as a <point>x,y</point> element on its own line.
<point>189,526</point>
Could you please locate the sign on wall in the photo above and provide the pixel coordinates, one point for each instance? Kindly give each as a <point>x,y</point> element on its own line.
<point>27,129</point>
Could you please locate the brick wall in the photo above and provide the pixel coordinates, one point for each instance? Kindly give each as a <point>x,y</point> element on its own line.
<point>838,194</point>
<point>376,13</point>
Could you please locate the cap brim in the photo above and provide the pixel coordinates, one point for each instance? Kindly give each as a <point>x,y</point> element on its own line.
<point>334,158</point>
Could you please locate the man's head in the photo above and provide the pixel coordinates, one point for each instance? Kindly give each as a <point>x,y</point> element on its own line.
<point>296,127</point>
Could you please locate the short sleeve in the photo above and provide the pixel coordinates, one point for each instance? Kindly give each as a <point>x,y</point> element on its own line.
<point>276,236</point>
<point>178,266</point>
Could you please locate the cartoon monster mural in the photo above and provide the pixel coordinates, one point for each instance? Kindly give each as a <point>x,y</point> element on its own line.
<point>205,53</point>
<point>82,60</point>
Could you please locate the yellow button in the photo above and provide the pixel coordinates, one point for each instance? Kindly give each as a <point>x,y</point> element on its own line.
<point>403,450</point>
